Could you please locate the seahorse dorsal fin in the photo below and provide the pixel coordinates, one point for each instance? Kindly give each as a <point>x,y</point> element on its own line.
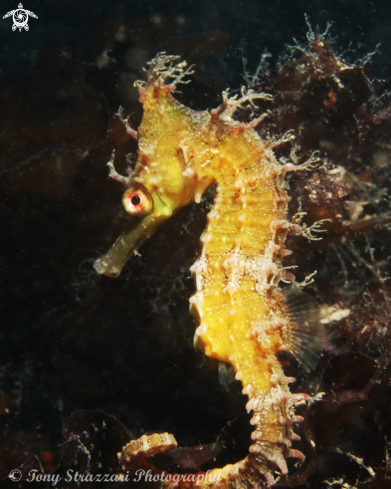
<point>306,329</point>
<point>226,373</point>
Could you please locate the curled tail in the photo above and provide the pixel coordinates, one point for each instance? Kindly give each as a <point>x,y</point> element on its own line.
<point>273,418</point>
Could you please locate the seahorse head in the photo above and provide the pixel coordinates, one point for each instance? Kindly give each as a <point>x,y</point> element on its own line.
<point>165,177</point>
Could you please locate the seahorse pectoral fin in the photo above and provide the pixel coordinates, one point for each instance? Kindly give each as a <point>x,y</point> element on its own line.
<point>226,373</point>
<point>112,263</point>
<point>305,328</point>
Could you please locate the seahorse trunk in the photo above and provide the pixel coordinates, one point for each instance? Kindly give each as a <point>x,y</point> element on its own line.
<point>240,312</point>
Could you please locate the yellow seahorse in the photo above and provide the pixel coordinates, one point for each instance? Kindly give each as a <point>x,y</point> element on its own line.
<point>244,319</point>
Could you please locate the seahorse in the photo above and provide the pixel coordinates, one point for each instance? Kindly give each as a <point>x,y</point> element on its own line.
<point>244,318</point>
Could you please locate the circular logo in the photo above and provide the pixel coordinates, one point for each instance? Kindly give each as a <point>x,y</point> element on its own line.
<point>15,475</point>
<point>20,18</point>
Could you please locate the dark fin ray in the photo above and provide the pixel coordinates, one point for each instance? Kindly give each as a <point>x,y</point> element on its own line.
<point>306,329</point>
<point>226,373</point>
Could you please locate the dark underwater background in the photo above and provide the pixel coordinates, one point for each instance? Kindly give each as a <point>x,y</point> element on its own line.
<point>72,340</point>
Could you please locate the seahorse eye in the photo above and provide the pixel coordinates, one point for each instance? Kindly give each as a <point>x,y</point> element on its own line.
<point>137,201</point>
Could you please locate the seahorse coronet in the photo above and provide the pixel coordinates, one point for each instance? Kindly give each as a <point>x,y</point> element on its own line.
<point>243,318</point>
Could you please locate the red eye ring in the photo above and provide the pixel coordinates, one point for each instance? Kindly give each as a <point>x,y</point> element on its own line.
<point>137,201</point>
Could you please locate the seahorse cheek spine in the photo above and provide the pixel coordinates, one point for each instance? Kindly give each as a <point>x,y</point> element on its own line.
<point>242,315</point>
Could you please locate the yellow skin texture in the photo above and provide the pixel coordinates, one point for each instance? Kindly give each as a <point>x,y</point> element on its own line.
<point>239,309</point>
<point>245,206</point>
